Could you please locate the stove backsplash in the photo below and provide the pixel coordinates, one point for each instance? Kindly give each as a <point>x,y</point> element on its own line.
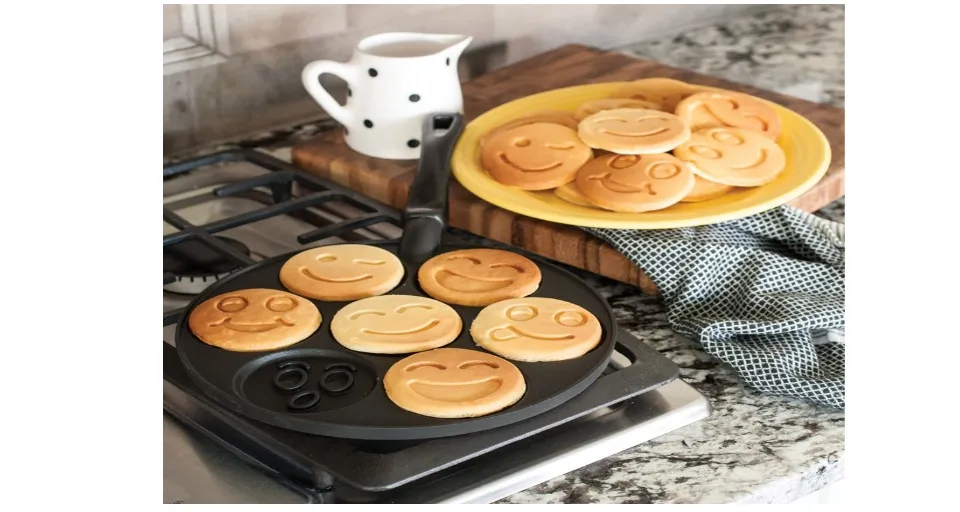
<point>231,70</point>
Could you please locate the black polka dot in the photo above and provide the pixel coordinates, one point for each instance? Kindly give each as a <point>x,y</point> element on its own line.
<point>448,61</point>
<point>414,98</point>
<point>413,143</point>
<point>368,123</point>
<point>346,131</point>
<point>349,92</point>
<point>373,72</point>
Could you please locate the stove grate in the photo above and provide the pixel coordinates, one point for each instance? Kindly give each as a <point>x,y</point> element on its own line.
<point>292,190</point>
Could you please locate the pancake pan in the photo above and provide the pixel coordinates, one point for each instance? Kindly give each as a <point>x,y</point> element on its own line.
<point>317,386</point>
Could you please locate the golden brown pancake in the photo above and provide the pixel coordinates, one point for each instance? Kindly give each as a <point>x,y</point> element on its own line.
<point>256,319</point>
<point>478,277</point>
<point>733,156</point>
<point>536,329</point>
<point>538,156</point>
<point>454,383</point>
<point>635,183</point>
<point>342,272</point>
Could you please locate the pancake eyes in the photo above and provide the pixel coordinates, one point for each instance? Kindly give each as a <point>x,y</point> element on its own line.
<point>462,366</point>
<point>358,314</point>
<point>401,309</point>
<point>570,318</point>
<point>232,304</point>
<point>705,152</point>
<point>417,366</point>
<point>281,304</point>
<point>499,265</point>
<point>326,258</point>
<point>522,313</point>
<point>726,138</point>
<point>470,364</point>
<point>468,258</point>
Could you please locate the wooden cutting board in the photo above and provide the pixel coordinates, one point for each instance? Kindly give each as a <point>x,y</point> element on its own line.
<point>389,181</point>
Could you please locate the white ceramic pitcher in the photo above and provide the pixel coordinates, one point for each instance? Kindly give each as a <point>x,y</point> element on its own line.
<point>394,81</point>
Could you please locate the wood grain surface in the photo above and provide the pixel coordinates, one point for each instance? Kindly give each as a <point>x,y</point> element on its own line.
<point>389,181</point>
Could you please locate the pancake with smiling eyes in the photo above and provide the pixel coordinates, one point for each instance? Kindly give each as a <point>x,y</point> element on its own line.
<point>534,156</point>
<point>395,324</point>
<point>342,272</point>
<point>454,383</point>
<point>633,131</point>
<point>478,277</point>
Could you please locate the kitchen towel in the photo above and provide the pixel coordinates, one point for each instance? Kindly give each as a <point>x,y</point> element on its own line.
<point>764,294</point>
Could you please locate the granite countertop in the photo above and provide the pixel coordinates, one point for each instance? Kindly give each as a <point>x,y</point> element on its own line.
<point>754,448</point>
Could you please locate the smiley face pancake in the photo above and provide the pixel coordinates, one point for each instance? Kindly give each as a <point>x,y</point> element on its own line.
<point>538,156</point>
<point>395,324</point>
<point>733,156</point>
<point>454,383</point>
<point>722,108</point>
<point>635,183</point>
<point>705,190</point>
<point>342,272</point>
<point>550,116</point>
<point>665,93</point>
<point>630,131</point>
<point>536,329</point>
<point>592,107</point>
<point>571,194</point>
<point>254,320</point>
<point>478,277</point>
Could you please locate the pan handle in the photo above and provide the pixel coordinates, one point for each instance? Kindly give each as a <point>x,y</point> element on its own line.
<point>425,216</point>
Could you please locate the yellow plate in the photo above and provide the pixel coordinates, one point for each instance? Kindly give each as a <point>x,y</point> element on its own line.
<point>807,150</point>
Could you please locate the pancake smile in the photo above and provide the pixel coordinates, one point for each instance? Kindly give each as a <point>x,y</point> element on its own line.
<point>450,279</point>
<point>521,333</point>
<point>457,392</point>
<point>428,325</point>
<point>650,133</point>
<point>550,167</point>
<point>306,271</point>
<point>252,328</point>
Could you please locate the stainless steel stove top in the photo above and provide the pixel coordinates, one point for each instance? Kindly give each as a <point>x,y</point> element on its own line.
<point>199,470</point>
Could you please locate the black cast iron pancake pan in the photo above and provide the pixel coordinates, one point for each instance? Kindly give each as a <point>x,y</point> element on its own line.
<point>317,386</point>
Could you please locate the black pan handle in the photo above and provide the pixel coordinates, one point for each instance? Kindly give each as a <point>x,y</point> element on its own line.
<point>425,216</point>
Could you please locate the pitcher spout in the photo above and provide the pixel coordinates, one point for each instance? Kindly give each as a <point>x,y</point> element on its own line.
<point>456,43</point>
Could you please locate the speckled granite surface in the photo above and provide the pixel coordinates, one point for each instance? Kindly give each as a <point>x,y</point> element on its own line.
<point>754,448</point>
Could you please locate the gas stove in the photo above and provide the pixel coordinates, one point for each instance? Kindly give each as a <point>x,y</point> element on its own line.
<point>226,211</point>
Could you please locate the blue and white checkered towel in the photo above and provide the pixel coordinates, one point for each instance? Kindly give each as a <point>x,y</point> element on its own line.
<point>765,294</point>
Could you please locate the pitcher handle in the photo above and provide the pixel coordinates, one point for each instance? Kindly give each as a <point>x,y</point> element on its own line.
<point>311,81</point>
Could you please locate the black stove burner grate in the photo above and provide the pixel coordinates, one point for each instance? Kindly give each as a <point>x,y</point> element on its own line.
<point>358,471</point>
<point>312,191</point>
